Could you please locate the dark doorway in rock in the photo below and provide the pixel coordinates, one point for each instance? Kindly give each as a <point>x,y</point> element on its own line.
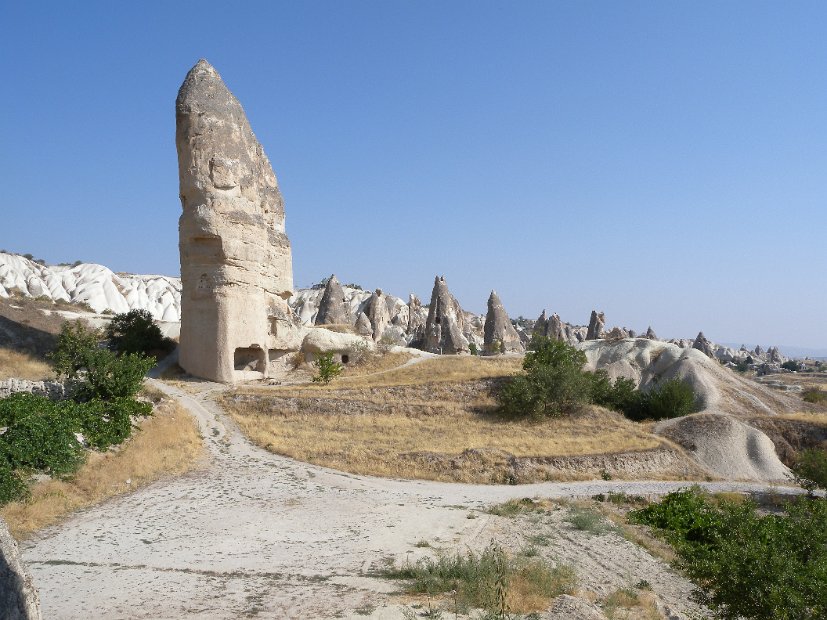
<point>345,359</point>
<point>249,358</point>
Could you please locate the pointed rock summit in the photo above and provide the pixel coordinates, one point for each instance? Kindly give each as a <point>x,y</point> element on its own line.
<point>333,309</point>
<point>703,345</point>
<point>555,329</point>
<point>596,324</point>
<point>236,265</point>
<point>445,323</point>
<point>650,334</point>
<point>499,334</point>
<point>540,325</point>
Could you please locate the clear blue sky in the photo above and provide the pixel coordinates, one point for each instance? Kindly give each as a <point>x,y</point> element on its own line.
<point>665,162</point>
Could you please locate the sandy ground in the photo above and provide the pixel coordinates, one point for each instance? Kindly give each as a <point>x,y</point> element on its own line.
<point>252,534</point>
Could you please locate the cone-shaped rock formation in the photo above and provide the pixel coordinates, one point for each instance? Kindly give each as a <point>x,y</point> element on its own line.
<point>445,323</point>
<point>333,309</point>
<point>499,335</point>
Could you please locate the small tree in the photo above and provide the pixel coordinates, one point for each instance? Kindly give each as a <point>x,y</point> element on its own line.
<point>135,332</point>
<point>328,368</point>
<point>75,342</point>
<point>553,383</point>
<point>810,470</point>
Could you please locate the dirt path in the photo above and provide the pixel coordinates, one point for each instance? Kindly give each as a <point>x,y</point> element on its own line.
<point>255,534</point>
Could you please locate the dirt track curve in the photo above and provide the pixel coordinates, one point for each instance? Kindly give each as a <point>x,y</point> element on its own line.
<point>253,534</point>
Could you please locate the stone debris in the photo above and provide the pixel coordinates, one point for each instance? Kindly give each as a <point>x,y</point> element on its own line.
<point>499,334</point>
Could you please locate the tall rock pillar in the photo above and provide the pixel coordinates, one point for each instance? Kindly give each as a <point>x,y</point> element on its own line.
<point>236,265</point>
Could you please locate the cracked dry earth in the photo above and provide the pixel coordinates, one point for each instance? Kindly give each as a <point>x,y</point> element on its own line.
<point>253,534</point>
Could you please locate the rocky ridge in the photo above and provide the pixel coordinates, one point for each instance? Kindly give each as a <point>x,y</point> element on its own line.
<point>102,290</point>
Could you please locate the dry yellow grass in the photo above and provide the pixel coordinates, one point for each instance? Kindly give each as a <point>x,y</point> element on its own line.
<point>373,364</point>
<point>23,366</point>
<point>431,420</point>
<point>168,443</point>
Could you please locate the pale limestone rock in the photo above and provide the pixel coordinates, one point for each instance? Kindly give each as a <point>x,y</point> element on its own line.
<point>703,345</point>
<point>416,320</point>
<point>377,311</point>
<point>540,325</point>
<point>319,340</point>
<point>446,322</point>
<point>236,266</point>
<point>499,334</point>
<point>333,309</point>
<point>555,329</point>
<point>596,325</point>
<point>18,596</point>
<point>363,326</point>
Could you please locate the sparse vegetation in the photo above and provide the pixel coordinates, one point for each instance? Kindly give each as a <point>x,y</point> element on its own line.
<point>810,470</point>
<point>21,365</point>
<point>327,368</point>
<point>814,395</point>
<point>748,565</point>
<point>490,580</point>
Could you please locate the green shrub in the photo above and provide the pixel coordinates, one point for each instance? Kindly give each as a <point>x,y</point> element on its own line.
<point>328,368</point>
<point>667,399</point>
<point>39,436</point>
<point>770,567</point>
<point>810,469</point>
<point>107,423</point>
<point>74,343</point>
<point>621,395</point>
<point>136,332</point>
<point>109,376</point>
<point>793,365</point>
<point>12,485</point>
<point>814,395</point>
<point>552,384</point>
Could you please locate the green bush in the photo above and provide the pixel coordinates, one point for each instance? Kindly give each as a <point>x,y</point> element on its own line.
<point>74,343</point>
<point>12,485</point>
<point>667,399</point>
<point>107,423</point>
<point>136,332</point>
<point>328,368</point>
<point>552,384</point>
<point>39,436</point>
<point>621,395</point>
<point>109,376</point>
<point>814,395</point>
<point>810,469</point>
<point>791,365</point>
<point>770,567</point>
